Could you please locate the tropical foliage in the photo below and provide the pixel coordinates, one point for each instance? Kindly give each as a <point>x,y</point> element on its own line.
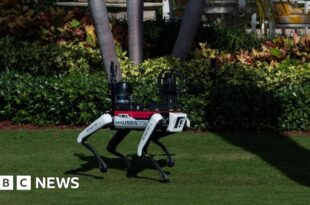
<point>53,25</point>
<point>272,51</point>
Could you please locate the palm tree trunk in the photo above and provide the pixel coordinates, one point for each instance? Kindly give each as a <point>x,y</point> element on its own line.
<point>135,30</point>
<point>105,38</point>
<point>191,20</point>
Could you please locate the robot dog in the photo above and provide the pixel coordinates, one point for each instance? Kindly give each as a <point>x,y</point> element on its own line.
<point>156,121</point>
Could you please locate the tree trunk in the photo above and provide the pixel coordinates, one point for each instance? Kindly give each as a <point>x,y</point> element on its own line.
<point>191,20</point>
<point>104,34</point>
<point>135,30</point>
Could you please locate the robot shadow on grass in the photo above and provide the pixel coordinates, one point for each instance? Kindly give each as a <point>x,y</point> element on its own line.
<point>139,166</point>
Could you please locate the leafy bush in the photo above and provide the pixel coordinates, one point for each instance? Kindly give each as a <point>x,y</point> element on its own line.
<point>235,96</point>
<point>228,39</point>
<point>240,99</point>
<point>51,59</point>
<point>262,97</point>
<point>72,99</point>
<point>295,107</point>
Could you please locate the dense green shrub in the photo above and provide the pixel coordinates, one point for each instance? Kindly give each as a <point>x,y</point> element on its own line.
<point>246,97</point>
<point>295,106</point>
<point>72,99</point>
<point>240,98</point>
<point>225,38</point>
<point>51,59</point>
<point>232,97</point>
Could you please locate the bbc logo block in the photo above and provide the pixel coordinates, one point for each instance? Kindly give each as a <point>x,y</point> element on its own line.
<point>22,183</point>
<point>6,183</point>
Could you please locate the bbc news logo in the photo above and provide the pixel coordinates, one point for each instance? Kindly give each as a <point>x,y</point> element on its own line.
<point>25,183</point>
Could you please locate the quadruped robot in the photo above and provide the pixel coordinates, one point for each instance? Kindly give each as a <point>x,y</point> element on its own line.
<point>156,121</point>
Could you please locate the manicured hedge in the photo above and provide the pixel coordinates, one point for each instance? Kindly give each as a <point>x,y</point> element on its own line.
<point>73,99</point>
<point>234,97</point>
<point>245,98</point>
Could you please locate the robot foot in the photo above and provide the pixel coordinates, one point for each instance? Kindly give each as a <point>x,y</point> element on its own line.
<point>164,178</point>
<point>170,162</point>
<point>102,165</point>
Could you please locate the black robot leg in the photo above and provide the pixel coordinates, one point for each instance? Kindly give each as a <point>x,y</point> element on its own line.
<point>114,142</point>
<point>157,136</point>
<point>102,165</point>
<point>170,160</point>
<point>163,176</point>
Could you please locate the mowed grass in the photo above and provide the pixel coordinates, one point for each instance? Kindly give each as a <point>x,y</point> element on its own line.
<point>210,169</point>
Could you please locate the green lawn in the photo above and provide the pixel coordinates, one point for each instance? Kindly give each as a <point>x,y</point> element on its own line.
<point>210,169</point>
